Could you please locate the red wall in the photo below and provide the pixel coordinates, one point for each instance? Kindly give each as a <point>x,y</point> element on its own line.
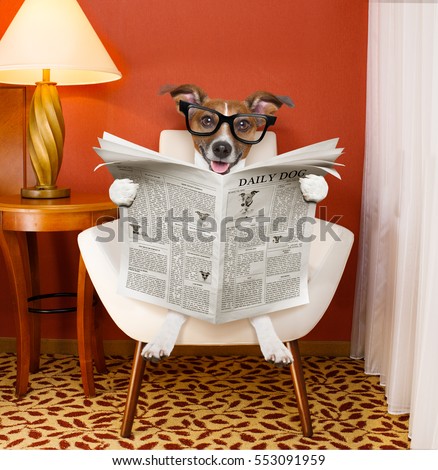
<point>311,50</point>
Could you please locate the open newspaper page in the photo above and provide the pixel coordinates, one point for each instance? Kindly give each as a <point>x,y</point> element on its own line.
<point>215,247</point>
<point>168,257</point>
<point>266,245</point>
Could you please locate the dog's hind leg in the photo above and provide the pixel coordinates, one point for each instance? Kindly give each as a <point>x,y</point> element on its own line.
<point>164,341</point>
<point>273,349</point>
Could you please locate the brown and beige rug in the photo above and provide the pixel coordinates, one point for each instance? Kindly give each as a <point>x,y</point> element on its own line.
<point>198,403</point>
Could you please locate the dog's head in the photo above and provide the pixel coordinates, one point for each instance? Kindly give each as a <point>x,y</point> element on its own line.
<point>223,131</point>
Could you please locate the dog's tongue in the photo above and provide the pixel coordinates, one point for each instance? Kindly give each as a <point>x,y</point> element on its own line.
<point>219,167</point>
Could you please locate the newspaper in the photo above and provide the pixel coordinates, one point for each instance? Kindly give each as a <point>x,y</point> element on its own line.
<point>216,247</point>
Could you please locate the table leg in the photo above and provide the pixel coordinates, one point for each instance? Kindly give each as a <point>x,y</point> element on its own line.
<point>34,289</point>
<point>85,328</point>
<point>19,281</point>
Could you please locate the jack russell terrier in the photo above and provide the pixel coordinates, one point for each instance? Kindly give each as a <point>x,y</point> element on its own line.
<point>222,148</point>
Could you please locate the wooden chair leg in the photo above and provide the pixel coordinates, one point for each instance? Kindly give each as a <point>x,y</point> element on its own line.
<point>98,351</point>
<point>300,388</point>
<point>138,366</point>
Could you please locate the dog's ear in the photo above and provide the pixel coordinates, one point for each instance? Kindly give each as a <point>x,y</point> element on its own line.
<point>263,102</point>
<point>190,93</point>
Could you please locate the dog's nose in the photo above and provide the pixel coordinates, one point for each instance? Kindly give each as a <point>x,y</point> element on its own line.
<point>222,149</point>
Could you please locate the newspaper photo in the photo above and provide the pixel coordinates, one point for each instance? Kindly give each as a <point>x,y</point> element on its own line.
<point>216,247</point>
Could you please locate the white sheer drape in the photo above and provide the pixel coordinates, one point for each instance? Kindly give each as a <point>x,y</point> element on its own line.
<point>396,311</point>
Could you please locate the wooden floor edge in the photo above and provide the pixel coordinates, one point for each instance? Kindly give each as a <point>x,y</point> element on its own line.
<point>126,348</point>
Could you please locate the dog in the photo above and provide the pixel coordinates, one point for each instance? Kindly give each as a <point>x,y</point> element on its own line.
<point>202,218</point>
<point>223,132</point>
<point>204,275</point>
<point>247,200</point>
<point>202,215</point>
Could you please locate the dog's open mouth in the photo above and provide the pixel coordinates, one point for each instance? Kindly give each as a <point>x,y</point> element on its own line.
<point>219,167</point>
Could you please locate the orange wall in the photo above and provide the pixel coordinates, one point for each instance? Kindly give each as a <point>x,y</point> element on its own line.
<point>311,50</point>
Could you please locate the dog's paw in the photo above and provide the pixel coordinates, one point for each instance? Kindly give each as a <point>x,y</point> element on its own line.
<point>314,188</point>
<point>164,341</point>
<point>273,350</point>
<point>155,352</point>
<point>276,353</point>
<point>123,191</point>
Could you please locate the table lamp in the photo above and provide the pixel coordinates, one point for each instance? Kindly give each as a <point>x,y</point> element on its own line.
<point>49,43</point>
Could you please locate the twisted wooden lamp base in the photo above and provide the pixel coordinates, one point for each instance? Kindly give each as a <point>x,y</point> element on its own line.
<point>46,140</point>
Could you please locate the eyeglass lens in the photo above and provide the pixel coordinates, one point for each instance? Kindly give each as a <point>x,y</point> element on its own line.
<point>202,120</point>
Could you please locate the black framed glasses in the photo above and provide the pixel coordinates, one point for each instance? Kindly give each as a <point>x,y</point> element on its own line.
<point>247,128</point>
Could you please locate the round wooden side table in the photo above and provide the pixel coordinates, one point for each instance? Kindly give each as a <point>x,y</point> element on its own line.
<point>20,221</point>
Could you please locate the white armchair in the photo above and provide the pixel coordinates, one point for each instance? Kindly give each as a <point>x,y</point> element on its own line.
<point>141,321</point>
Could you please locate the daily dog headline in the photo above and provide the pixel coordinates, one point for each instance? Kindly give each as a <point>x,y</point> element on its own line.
<point>269,178</point>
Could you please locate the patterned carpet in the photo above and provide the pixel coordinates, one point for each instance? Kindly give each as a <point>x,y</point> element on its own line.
<point>199,403</point>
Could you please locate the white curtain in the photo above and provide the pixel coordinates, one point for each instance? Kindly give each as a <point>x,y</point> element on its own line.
<point>396,310</point>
